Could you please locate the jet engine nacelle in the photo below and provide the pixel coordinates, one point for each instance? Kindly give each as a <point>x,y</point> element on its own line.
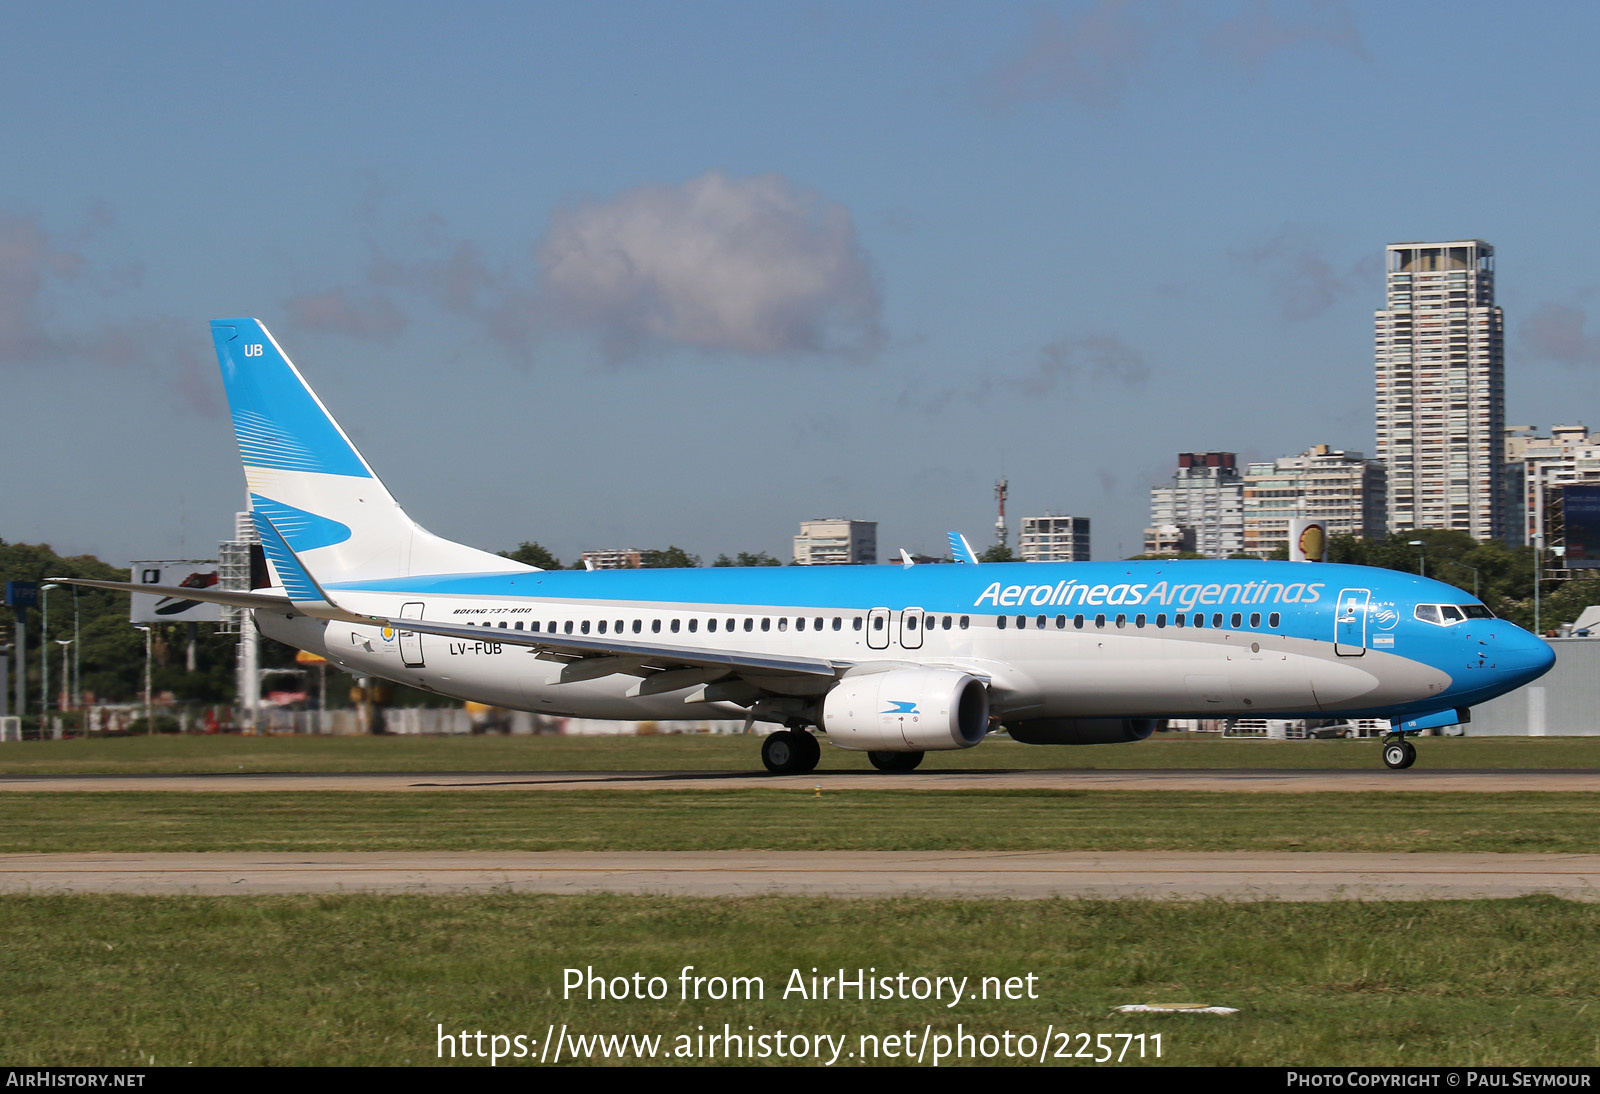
<point>1081,731</point>
<point>907,710</point>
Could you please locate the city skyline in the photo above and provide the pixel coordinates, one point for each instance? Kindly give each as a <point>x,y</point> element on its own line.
<point>875,258</point>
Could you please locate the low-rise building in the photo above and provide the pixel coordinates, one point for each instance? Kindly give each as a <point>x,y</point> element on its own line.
<point>837,541</point>
<point>1053,538</point>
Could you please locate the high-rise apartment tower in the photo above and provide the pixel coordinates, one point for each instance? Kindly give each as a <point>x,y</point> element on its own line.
<point>1441,388</point>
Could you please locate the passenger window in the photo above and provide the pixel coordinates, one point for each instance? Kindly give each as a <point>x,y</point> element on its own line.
<point>1216,619</point>
<point>1061,622</point>
<point>674,626</point>
<point>749,624</point>
<point>711,626</point>
<point>783,624</point>
<point>519,624</point>
<point>1100,621</point>
<point>1077,621</point>
<point>855,623</point>
<point>1199,619</point>
<point>585,627</point>
<point>502,624</point>
<point>964,620</point>
<point>817,626</point>
<point>1122,621</point>
<point>1022,622</point>
<point>1039,622</point>
<point>694,625</point>
<point>1138,620</point>
<point>766,624</point>
<point>1255,619</point>
<point>911,622</point>
<point>602,626</point>
<point>877,623</point>
<point>1161,621</point>
<point>1237,619</point>
<point>619,626</point>
<point>1000,622</point>
<point>838,624</point>
<point>655,626</point>
<point>1273,620</point>
<point>552,627</point>
<point>637,626</point>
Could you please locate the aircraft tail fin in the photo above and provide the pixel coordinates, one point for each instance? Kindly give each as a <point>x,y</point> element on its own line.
<point>316,502</point>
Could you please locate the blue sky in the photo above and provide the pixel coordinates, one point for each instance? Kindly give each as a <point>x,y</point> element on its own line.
<point>624,274</point>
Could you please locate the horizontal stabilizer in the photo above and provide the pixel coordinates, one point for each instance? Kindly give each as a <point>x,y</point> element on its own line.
<point>235,598</point>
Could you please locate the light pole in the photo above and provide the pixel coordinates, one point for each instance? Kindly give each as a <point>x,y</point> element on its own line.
<point>149,721</point>
<point>44,649</point>
<point>1474,569</point>
<point>77,656</point>
<point>1538,560</point>
<point>1422,556</point>
<point>66,675</point>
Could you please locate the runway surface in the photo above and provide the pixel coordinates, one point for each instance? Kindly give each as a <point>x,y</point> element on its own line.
<point>1145,875</point>
<point>1241,781</point>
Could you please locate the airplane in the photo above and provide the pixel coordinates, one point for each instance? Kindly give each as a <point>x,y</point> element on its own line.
<point>895,661</point>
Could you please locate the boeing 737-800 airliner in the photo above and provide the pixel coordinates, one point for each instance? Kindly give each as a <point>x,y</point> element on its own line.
<point>891,660</point>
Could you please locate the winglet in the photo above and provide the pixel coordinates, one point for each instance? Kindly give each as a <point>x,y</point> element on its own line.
<point>961,550</point>
<point>303,591</point>
<point>906,560</point>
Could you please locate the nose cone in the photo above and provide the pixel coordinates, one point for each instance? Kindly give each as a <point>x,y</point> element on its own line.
<point>1523,656</point>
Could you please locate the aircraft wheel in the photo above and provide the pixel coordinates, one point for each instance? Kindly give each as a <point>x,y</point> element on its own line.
<point>1411,754</point>
<point>1398,754</point>
<point>892,762</point>
<point>786,753</point>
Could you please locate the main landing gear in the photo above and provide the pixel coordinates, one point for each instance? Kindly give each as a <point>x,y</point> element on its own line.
<point>891,762</point>
<point>791,752</point>
<point>1398,753</point>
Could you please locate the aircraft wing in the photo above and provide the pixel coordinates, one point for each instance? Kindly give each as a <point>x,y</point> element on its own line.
<point>603,655</point>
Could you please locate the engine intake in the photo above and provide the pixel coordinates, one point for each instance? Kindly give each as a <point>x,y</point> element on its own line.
<point>907,710</point>
<point>1081,731</point>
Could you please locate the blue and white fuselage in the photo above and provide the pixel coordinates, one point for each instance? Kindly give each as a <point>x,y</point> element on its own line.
<point>891,660</point>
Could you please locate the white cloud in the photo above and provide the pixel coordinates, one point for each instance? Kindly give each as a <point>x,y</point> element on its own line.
<point>755,265</point>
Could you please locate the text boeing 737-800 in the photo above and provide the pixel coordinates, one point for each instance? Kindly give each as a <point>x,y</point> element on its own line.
<point>894,661</point>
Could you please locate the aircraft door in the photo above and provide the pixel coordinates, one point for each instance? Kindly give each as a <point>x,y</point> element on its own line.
<point>911,629</point>
<point>878,629</point>
<point>1350,622</point>
<point>411,641</point>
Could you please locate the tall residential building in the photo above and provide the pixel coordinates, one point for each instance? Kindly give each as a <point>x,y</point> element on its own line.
<point>1570,455</point>
<point>1206,500</point>
<point>1054,539</point>
<point>1441,389</point>
<point>836,542</point>
<point>1341,489</point>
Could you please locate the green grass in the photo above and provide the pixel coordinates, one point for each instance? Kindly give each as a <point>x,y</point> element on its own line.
<point>343,980</point>
<point>797,819</point>
<point>226,753</point>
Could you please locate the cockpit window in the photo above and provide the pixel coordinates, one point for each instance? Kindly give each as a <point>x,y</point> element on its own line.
<point>1444,615</point>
